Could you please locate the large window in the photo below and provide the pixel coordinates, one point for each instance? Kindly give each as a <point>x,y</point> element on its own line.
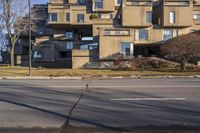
<point>143,34</point>
<point>149,17</point>
<point>172,17</point>
<point>80,18</point>
<point>53,17</point>
<point>168,34</point>
<point>98,4</point>
<point>127,48</point>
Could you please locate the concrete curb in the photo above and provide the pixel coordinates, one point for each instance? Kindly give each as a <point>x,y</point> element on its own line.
<point>90,77</point>
<point>37,78</point>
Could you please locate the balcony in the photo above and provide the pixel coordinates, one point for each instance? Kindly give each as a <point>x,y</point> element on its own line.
<point>139,10</point>
<point>138,3</point>
<point>173,13</point>
<point>103,6</point>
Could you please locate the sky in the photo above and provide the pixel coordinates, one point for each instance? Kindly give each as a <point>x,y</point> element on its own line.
<point>39,1</point>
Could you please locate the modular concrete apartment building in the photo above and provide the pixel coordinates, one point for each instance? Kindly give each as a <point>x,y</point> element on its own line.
<point>86,31</point>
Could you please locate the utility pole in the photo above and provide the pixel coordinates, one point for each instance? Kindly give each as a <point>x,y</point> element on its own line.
<point>30,51</point>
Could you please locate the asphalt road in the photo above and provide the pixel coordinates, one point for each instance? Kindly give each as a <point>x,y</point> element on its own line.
<point>104,103</point>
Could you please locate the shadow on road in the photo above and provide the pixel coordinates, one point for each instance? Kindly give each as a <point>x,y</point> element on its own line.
<point>72,129</point>
<point>17,98</point>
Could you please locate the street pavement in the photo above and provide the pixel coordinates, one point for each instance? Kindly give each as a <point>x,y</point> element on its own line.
<point>113,103</point>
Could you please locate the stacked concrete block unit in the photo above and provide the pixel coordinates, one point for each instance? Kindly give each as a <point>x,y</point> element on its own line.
<point>86,31</point>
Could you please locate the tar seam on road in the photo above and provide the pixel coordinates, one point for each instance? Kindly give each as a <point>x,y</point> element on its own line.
<point>73,107</point>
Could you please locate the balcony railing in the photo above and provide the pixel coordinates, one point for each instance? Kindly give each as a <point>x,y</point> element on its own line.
<point>138,2</point>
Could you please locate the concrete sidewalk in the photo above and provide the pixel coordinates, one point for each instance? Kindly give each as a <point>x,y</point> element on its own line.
<point>89,77</point>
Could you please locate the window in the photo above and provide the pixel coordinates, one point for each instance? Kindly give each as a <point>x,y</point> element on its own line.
<point>172,17</point>
<point>80,18</point>
<point>127,48</point>
<point>196,16</point>
<point>168,34</point>
<point>68,17</point>
<point>119,2</point>
<point>134,3</point>
<point>107,33</point>
<point>111,16</point>
<point>149,17</point>
<point>92,47</point>
<point>81,2</point>
<point>116,32</point>
<point>69,35</point>
<point>53,17</point>
<point>105,16</point>
<point>65,1</point>
<point>37,54</point>
<point>98,4</point>
<point>143,34</point>
<point>69,45</point>
<point>181,3</point>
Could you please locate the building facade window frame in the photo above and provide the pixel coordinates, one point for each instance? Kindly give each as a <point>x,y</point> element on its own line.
<point>69,35</point>
<point>143,35</point>
<point>149,16</point>
<point>127,48</point>
<point>168,34</point>
<point>98,4</point>
<point>81,2</point>
<point>66,1</point>
<point>68,17</point>
<point>80,18</point>
<point>196,16</point>
<point>69,45</point>
<point>172,17</point>
<point>53,17</point>
<point>119,2</point>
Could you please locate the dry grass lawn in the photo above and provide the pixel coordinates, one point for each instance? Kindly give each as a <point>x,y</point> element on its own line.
<point>19,71</point>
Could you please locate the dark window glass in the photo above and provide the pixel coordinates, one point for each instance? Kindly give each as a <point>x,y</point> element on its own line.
<point>149,17</point>
<point>80,18</point>
<point>53,17</point>
<point>67,17</point>
<point>143,34</point>
<point>98,4</point>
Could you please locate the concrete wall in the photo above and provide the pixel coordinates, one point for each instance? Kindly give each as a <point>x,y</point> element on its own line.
<point>109,45</point>
<point>81,57</point>
<point>183,16</point>
<point>108,6</point>
<point>134,15</point>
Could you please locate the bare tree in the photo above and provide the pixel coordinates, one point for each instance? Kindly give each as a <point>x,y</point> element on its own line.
<point>182,48</point>
<point>11,18</point>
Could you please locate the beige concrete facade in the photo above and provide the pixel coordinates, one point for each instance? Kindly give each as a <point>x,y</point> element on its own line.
<point>91,30</point>
<point>134,14</point>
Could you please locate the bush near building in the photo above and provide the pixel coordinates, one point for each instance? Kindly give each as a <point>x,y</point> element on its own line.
<point>182,49</point>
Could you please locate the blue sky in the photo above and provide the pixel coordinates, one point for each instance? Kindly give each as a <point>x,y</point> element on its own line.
<point>39,1</point>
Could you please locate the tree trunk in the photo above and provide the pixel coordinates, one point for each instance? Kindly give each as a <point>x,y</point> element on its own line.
<point>12,57</point>
<point>183,64</point>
